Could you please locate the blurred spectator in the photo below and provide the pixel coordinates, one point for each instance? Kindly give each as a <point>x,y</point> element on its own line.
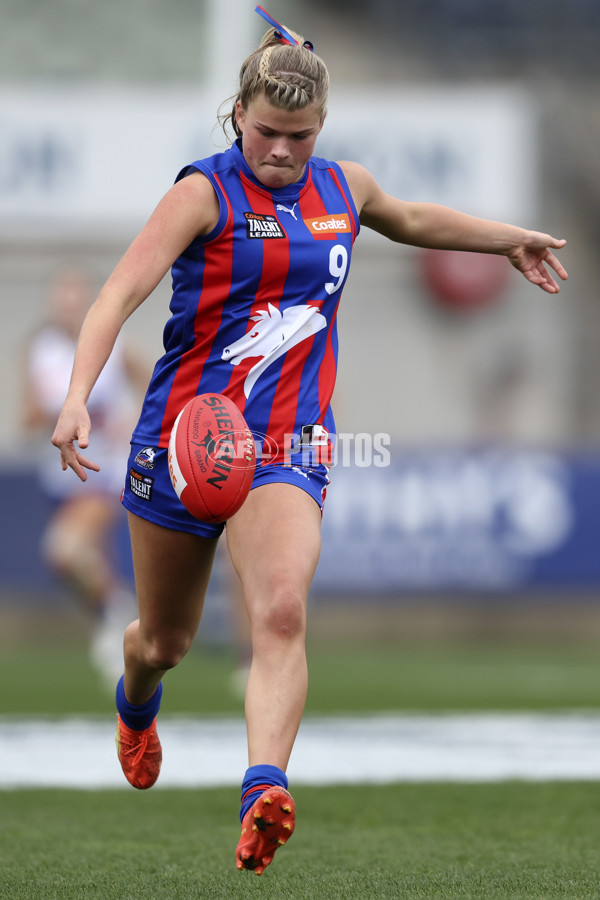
<point>78,543</point>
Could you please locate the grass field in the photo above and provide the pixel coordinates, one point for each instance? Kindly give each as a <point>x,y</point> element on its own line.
<point>58,680</point>
<point>430,841</point>
<point>504,840</point>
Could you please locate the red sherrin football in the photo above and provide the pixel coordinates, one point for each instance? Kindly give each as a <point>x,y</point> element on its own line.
<point>212,457</point>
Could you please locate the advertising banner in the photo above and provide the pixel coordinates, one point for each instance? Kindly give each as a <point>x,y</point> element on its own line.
<point>100,158</point>
<point>485,519</point>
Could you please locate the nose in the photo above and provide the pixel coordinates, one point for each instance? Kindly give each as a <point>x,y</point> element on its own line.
<point>280,148</point>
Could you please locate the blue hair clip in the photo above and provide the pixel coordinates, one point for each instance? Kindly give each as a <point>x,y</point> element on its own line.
<point>282,35</point>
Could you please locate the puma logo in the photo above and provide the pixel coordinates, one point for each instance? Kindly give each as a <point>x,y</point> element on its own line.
<point>281,208</point>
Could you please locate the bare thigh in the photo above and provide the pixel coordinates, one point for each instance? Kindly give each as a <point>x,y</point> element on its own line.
<point>275,541</point>
<point>172,572</point>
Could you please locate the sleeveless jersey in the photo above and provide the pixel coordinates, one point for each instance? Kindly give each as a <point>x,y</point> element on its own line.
<point>254,305</point>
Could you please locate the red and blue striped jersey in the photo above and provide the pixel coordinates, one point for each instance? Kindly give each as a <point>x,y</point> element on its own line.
<point>254,304</point>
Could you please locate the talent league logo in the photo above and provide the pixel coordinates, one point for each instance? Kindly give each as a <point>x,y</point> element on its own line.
<point>264,227</point>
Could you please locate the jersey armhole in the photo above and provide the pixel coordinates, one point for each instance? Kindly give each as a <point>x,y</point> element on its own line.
<point>223,210</point>
<point>344,187</point>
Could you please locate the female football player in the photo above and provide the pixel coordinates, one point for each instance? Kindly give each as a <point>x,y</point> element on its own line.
<point>259,239</point>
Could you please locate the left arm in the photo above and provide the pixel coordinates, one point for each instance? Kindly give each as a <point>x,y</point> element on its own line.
<point>442,228</point>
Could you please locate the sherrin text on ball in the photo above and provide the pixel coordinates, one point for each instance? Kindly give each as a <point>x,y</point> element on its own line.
<point>212,457</point>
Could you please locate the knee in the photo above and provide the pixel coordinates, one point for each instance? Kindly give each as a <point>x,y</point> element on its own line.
<point>165,651</point>
<point>284,617</point>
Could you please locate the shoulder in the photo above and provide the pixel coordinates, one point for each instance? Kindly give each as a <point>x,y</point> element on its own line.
<point>194,196</point>
<point>361,183</point>
<point>377,210</point>
<point>193,181</point>
<point>218,162</point>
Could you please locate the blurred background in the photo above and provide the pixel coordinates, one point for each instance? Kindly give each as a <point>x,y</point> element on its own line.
<point>485,523</point>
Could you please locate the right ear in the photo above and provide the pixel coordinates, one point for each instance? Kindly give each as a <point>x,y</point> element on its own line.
<point>239,115</point>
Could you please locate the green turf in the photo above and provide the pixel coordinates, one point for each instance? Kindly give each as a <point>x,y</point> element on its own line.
<point>464,677</point>
<point>58,680</point>
<point>513,840</point>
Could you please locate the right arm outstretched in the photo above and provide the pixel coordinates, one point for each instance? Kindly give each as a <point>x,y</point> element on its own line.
<point>189,209</point>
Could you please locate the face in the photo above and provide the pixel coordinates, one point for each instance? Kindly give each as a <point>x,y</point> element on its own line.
<point>277,144</point>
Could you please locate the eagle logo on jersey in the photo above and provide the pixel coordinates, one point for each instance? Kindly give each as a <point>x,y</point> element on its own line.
<point>273,335</point>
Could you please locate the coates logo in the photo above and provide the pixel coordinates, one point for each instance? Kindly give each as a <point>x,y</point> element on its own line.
<point>328,227</point>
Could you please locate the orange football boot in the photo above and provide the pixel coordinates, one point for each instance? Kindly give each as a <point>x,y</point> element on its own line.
<point>268,824</point>
<point>140,754</point>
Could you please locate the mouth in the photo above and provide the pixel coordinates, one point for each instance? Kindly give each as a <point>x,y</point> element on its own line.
<point>278,174</point>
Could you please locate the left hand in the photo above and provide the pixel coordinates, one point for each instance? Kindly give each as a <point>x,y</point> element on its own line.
<point>533,258</point>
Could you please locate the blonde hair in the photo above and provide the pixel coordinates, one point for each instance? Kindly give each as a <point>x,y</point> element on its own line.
<point>290,77</point>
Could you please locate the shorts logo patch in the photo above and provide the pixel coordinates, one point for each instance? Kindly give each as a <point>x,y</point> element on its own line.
<point>141,485</point>
<point>263,227</point>
<point>145,458</point>
<point>314,436</point>
<point>315,444</point>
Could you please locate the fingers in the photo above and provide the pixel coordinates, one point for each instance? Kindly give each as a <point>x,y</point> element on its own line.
<point>84,461</point>
<point>537,274</point>
<point>547,282</point>
<point>83,437</point>
<point>79,464</point>
<point>535,265</point>
<point>558,267</point>
<point>538,258</point>
<point>77,468</point>
<point>73,427</point>
<point>70,458</point>
<point>550,286</point>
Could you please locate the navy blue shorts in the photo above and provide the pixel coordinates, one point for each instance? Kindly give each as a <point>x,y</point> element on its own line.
<point>148,491</point>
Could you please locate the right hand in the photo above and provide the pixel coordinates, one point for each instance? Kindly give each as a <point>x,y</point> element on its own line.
<point>74,425</point>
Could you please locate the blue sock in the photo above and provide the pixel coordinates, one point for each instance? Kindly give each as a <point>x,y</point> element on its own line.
<point>255,780</point>
<point>138,717</point>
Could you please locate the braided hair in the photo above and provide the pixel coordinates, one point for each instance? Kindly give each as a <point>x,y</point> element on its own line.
<point>290,77</point>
